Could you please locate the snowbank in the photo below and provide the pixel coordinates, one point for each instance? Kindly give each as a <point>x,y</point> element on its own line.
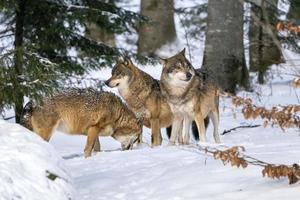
<point>29,167</point>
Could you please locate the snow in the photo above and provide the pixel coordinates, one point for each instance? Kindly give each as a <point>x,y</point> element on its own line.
<point>25,163</point>
<point>165,172</point>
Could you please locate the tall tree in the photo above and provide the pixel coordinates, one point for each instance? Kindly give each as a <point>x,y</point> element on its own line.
<point>160,30</point>
<point>46,34</point>
<point>224,47</point>
<point>18,55</point>
<point>263,50</point>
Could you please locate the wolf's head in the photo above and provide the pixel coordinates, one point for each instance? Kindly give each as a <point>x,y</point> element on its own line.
<point>177,70</point>
<point>121,73</point>
<point>129,127</point>
<point>131,136</point>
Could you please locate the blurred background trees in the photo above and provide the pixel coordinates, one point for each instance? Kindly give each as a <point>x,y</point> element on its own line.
<point>46,43</point>
<point>160,30</point>
<point>224,45</point>
<point>262,48</point>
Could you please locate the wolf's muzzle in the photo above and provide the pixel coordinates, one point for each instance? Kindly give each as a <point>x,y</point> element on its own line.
<point>106,82</point>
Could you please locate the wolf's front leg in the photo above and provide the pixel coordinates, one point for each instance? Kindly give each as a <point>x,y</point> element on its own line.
<point>214,115</point>
<point>97,146</point>
<point>92,134</point>
<point>156,138</point>
<point>187,125</point>
<point>176,126</point>
<point>180,132</point>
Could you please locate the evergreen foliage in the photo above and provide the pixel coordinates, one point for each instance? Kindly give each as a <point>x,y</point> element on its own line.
<point>42,43</point>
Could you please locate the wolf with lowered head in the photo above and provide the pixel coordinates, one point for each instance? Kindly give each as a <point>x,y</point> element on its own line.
<point>86,112</point>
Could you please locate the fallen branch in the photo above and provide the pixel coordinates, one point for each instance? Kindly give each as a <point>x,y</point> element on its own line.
<point>236,157</point>
<point>8,118</point>
<point>242,126</point>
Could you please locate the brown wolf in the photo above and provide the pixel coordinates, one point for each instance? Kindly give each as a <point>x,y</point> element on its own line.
<point>87,112</point>
<point>142,94</point>
<point>190,96</point>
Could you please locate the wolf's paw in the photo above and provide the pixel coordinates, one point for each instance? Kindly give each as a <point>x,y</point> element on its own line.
<point>171,143</point>
<point>155,145</point>
<point>87,154</point>
<point>217,140</point>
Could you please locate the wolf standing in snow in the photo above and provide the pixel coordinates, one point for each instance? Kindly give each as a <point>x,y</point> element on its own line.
<point>189,96</point>
<point>87,112</point>
<point>142,94</point>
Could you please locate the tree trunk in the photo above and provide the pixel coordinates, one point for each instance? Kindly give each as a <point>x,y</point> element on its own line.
<point>160,30</point>
<point>263,50</point>
<point>18,58</point>
<point>224,47</point>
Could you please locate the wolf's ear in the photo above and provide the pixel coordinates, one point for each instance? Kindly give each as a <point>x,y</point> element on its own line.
<point>182,52</point>
<point>163,61</point>
<point>120,59</point>
<point>127,61</point>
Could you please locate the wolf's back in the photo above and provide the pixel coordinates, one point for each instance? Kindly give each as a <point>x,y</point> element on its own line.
<point>26,115</point>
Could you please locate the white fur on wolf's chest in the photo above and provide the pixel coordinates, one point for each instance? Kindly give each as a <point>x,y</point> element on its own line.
<point>183,109</point>
<point>123,90</point>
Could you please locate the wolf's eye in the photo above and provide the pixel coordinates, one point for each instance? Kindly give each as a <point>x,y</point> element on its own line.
<point>188,64</point>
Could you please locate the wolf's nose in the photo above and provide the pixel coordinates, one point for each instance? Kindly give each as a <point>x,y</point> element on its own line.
<point>188,75</point>
<point>106,82</point>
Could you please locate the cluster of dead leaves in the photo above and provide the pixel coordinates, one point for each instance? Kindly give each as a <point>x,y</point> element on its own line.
<point>290,27</point>
<point>284,116</point>
<point>279,171</point>
<point>235,157</point>
<point>232,156</point>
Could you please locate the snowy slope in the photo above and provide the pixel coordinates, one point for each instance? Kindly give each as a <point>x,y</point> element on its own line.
<point>25,160</point>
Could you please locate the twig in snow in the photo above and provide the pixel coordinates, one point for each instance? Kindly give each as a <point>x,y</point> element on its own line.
<point>243,126</point>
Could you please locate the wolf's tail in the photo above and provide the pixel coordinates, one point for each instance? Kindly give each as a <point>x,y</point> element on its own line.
<point>26,115</point>
<point>194,129</point>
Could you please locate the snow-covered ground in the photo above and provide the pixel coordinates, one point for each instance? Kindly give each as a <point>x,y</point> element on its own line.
<point>30,168</point>
<point>168,173</point>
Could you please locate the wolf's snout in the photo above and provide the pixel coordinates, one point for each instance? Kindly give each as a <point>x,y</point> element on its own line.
<point>107,82</point>
<point>188,76</point>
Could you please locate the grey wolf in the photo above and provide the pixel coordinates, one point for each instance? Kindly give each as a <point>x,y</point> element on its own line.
<point>190,96</point>
<point>87,112</point>
<point>142,94</point>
